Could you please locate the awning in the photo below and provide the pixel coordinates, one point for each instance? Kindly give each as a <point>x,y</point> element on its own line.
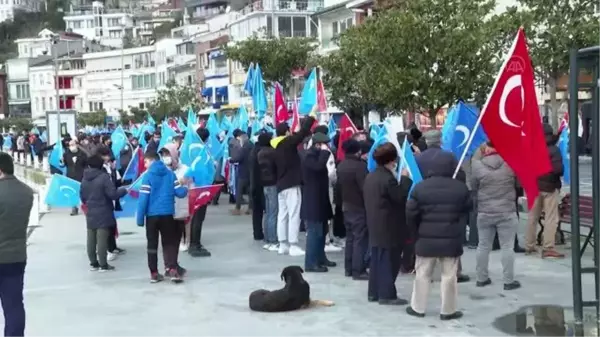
<point>222,91</point>
<point>207,92</point>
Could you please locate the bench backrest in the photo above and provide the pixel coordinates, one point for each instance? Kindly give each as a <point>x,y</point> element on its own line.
<point>586,207</point>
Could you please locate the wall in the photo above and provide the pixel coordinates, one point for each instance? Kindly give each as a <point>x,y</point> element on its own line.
<point>42,90</point>
<point>244,29</point>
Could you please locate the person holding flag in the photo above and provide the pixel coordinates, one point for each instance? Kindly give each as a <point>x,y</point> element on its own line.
<point>75,161</point>
<point>109,167</point>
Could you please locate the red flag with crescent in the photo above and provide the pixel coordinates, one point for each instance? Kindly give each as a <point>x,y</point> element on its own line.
<point>295,118</point>
<point>347,129</point>
<point>281,111</point>
<point>511,119</point>
<point>321,98</point>
<point>200,196</point>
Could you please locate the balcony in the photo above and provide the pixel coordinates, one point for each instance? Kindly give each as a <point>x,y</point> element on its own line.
<point>282,6</point>
<point>219,71</point>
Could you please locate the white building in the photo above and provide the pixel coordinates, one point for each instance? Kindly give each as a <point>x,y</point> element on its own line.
<point>137,71</point>
<point>18,88</point>
<point>8,7</point>
<point>106,26</point>
<point>49,43</point>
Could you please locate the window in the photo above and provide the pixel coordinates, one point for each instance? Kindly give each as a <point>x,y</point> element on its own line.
<point>41,79</point>
<point>269,26</point>
<point>37,104</point>
<point>50,103</point>
<point>339,27</point>
<point>113,22</point>
<point>115,33</point>
<point>141,82</point>
<point>90,23</point>
<point>22,91</point>
<point>77,24</point>
<point>145,60</point>
<point>284,26</point>
<point>43,103</point>
<point>299,26</point>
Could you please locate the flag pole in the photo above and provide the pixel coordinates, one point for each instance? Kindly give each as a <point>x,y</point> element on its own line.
<point>480,117</point>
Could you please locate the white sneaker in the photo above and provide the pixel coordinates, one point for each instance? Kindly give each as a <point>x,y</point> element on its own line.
<point>296,251</point>
<point>183,247</point>
<point>274,247</point>
<point>331,248</point>
<point>267,246</point>
<point>283,249</point>
<point>111,256</point>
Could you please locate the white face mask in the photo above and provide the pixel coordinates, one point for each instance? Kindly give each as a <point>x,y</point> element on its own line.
<point>167,160</point>
<point>73,148</point>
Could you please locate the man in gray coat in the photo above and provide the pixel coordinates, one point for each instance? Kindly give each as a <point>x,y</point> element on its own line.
<point>16,200</point>
<point>493,183</point>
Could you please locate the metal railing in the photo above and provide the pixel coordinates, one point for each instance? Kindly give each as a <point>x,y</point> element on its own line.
<point>282,6</point>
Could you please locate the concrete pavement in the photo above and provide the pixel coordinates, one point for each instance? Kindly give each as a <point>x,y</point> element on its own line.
<point>64,298</point>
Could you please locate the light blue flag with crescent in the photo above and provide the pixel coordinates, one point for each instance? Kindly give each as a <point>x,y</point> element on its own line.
<point>331,128</point>
<point>192,118</point>
<point>242,118</point>
<point>119,140</point>
<point>55,158</point>
<point>309,94</point>
<point>248,85</point>
<point>63,192</point>
<point>374,131</point>
<point>190,148</point>
<point>408,161</point>
<point>167,135</point>
<point>212,125</point>
<point>563,146</point>
<point>215,147</point>
<point>463,126</point>
<point>202,170</point>
<point>259,94</point>
<point>150,119</point>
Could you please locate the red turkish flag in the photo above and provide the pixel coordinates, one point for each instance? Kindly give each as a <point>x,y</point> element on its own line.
<point>511,119</point>
<point>173,124</point>
<point>200,196</point>
<point>347,129</point>
<point>295,118</point>
<point>321,98</point>
<point>281,111</point>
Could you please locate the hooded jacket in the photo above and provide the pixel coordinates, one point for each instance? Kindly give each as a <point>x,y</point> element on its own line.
<point>494,185</point>
<point>287,158</point>
<point>438,210</point>
<point>266,163</point>
<point>159,188</point>
<point>98,193</point>
<point>550,182</point>
<point>182,210</point>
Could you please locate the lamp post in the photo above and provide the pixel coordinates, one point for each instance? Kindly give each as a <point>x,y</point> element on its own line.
<point>122,66</point>
<point>54,40</point>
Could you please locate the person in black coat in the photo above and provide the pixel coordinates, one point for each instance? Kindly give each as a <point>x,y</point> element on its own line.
<point>256,191</point>
<point>241,157</point>
<point>268,179</point>
<point>351,175</point>
<point>76,161</point>
<point>437,211</point>
<point>315,208</point>
<point>385,202</point>
<point>98,193</point>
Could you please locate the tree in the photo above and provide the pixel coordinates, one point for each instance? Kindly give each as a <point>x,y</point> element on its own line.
<point>553,28</point>
<point>134,115</point>
<point>277,57</point>
<point>16,124</point>
<point>174,100</point>
<point>418,56</point>
<point>97,118</point>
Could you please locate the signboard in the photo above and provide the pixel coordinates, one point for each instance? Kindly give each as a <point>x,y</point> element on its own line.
<point>68,124</point>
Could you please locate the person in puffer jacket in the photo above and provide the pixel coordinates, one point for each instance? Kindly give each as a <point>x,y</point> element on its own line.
<point>156,207</point>
<point>493,184</point>
<point>170,156</point>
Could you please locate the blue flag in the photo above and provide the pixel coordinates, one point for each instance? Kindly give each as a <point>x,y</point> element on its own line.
<point>409,162</point>
<point>7,143</point>
<point>563,146</point>
<point>371,164</point>
<point>192,118</point>
<point>331,128</point>
<point>63,192</point>
<point>202,169</point>
<point>132,170</point>
<point>55,158</point>
<point>309,94</point>
<point>248,85</point>
<point>44,136</point>
<point>242,119</point>
<point>465,120</point>
<point>119,140</point>
<point>129,207</point>
<point>190,148</point>
<point>215,147</point>
<point>212,125</point>
<point>150,120</point>
<point>374,131</point>
<point>181,125</point>
<point>166,136</point>
<point>259,95</point>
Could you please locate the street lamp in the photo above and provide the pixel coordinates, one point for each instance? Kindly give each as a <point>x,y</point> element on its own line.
<point>54,40</point>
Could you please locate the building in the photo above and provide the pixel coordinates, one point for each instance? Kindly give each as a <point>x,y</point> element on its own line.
<point>9,7</point>
<point>122,79</point>
<point>17,70</point>
<point>105,26</point>
<point>183,69</point>
<point>49,43</point>
<point>281,18</point>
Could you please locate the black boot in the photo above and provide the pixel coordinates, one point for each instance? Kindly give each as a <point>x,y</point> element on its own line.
<point>517,248</point>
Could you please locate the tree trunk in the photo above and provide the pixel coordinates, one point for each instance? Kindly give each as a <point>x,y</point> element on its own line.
<point>432,120</point>
<point>553,103</point>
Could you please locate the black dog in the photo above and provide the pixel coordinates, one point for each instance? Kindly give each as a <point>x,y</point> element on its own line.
<point>293,296</point>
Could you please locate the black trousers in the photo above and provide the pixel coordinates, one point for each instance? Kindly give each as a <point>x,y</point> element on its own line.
<point>197,223</point>
<point>258,210</point>
<point>112,239</point>
<point>11,297</point>
<point>385,265</point>
<point>162,226</point>
<point>339,225</point>
<point>357,242</point>
<point>409,257</point>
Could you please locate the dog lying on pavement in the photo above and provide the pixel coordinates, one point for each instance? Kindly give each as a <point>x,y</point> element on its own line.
<point>293,296</point>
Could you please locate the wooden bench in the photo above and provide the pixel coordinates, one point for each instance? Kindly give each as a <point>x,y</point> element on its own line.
<point>586,216</point>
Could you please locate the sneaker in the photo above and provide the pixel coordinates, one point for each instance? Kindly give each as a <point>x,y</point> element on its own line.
<point>107,267</point>
<point>183,247</point>
<point>283,249</point>
<point>274,247</point>
<point>119,251</point>
<point>552,254</point>
<point>174,275</point>
<point>530,251</point>
<point>295,250</point>
<point>332,248</point>
<point>512,286</point>
<point>112,256</point>
<point>182,271</point>
<point>267,246</point>
<point>481,284</point>
<point>199,252</point>
<point>94,266</point>
<point>235,212</point>
<point>156,277</point>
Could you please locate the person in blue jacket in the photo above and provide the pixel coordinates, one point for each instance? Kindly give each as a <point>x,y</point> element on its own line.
<point>156,206</point>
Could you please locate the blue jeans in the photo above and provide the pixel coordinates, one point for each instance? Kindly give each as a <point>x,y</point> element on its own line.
<point>315,245</point>
<point>271,206</point>
<point>11,296</point>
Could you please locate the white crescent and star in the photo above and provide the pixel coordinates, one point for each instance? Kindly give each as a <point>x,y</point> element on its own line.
<point>67,188</point>
<point>512,83</point>
<point>194,146</point>
<point>466,133</point>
